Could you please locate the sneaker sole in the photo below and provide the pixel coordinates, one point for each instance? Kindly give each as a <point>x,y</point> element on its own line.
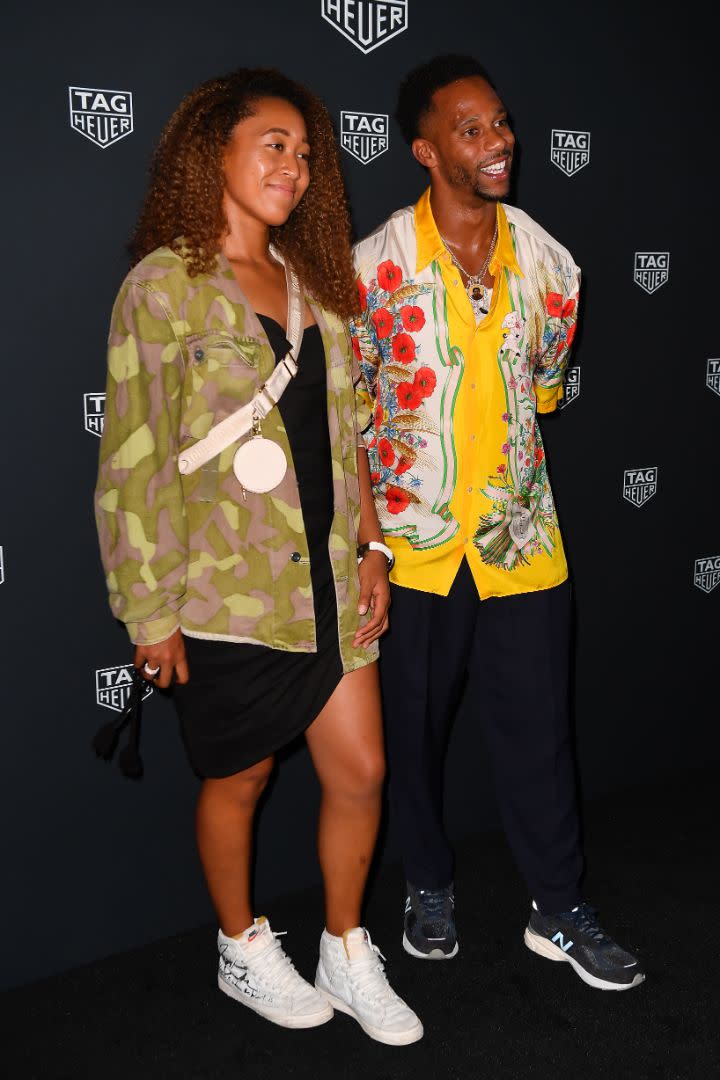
<point>390,1038</point>
<point>281,1019</point>
<point>540,945</point>
<point>434,954</point>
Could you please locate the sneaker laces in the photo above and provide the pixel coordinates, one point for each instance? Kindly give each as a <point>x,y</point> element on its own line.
<point>584,917</point>
<point>433,901</point>
<point>369,979</point>
<point>278,970</point>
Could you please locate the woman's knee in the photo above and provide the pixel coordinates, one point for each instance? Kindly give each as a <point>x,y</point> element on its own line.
<point>246,786</point>
<point>362,779</point>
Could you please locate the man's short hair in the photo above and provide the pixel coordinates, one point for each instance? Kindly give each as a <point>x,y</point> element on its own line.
<point>417,88</point>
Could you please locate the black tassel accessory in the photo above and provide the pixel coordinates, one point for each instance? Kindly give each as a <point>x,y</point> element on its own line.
<point>106,738</point>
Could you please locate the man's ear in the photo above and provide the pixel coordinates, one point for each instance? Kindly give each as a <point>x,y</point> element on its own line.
<point>424,153</point>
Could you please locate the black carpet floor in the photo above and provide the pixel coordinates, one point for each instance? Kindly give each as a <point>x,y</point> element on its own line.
<point>497,1011</point>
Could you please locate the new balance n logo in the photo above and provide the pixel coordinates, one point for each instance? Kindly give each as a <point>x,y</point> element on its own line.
<point>560,940</point>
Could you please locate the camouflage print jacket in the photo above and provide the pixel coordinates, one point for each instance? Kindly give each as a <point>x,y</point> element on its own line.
<point>195,551</point>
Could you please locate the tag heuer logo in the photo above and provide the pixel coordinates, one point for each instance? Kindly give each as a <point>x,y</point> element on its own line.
<point>112,687</point>
<point>364,135</point>
<point>367,23</point>
<point>570,150</point>
<point>713,375</point>
<point>652,269</point>
<point>94,413</point>
<point>571,389</point>
<point>2,566</point>
<point>707,573</point>
<point>102,116</point>
<point>639,485</point>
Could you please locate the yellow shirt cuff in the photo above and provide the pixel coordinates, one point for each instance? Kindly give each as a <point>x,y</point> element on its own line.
<point>547,398</point>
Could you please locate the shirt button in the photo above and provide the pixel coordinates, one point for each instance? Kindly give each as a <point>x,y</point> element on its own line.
<point>198,354</point>
<point>472,438</point>
<point>469,491</point>
<point>296,556</point>
<point>472,385</point>
<point>455,281</point>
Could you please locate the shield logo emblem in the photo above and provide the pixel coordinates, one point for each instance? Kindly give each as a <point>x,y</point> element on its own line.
<point>713,375</point>
<point>652,269</point>
<point>102,116</point>
<point>569,150</point>
<point>366,23</point>
<point>94,405</point>
<point>571,388</point>
<point>364,135</point>
<point>639,485</point>
<point>112,687</point>
<point>707,573</point>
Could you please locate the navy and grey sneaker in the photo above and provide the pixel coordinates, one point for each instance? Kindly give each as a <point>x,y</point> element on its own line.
<point>429,932</point>
<point>575,936</point>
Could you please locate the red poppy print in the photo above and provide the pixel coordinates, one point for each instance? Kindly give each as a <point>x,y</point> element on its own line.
<point>413,318</point>
<point>383,322</point>
<point>571,334</point>
<point>409,395</point>
<point>372,443</point>
<point>375,477</point>
<point>379,415</point>
<point>554,304</point>
<point>425,381</point>
<point>568,308</point>
<point>539,455</point>
<point>362,293</point>
<point>356,347</point>
<point>389,276</point>
<point>403,465</point>
<point>397,499</point>
<point>403,348</point>
<point>386,452</point>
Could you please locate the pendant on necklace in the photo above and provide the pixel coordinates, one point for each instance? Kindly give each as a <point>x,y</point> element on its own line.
<point>477,295</point>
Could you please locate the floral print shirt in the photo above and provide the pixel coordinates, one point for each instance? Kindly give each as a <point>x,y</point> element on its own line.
<point>456,456</point>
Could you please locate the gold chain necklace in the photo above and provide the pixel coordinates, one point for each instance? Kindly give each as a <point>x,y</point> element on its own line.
<point>478,293</point>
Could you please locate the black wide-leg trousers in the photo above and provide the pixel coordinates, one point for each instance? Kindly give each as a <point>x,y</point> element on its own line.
<point>507,658</point>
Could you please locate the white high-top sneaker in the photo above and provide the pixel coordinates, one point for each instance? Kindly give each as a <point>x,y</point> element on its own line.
<point>254,970</point>
<point>351,976</point>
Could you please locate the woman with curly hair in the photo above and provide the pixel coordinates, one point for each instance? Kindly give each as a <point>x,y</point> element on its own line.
<point>250,571</point>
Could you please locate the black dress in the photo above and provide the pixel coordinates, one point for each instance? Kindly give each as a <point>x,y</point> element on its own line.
<point>243,702</point>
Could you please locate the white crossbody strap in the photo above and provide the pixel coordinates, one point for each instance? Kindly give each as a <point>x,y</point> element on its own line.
<point>242,421</point>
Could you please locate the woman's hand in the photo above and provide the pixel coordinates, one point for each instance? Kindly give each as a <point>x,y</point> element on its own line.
<point>375,596</point>
<point>168,655</point>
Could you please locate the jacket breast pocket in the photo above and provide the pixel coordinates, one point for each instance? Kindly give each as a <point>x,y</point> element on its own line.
<point>216,349</point>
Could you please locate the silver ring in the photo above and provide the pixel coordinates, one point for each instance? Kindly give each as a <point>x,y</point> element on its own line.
<point>151,671</point>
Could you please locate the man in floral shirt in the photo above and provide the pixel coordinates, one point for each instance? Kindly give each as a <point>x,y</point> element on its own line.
<point>468,316</point>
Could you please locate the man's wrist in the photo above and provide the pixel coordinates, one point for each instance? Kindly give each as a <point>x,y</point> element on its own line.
<point>376,545</point>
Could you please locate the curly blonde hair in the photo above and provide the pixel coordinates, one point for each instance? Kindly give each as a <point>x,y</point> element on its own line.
<point>183,207</point>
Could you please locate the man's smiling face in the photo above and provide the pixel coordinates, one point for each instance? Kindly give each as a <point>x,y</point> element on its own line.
<point>468,129</point>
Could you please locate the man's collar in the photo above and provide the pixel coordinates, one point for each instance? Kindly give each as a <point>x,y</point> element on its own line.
<point>430,245</point>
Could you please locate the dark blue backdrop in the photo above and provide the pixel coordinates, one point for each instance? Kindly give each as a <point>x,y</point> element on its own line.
<point>92,863</point>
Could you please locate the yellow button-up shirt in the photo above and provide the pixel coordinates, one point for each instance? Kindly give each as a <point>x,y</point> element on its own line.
<point>478,420</point>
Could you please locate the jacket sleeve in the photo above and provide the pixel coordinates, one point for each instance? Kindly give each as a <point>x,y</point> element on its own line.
<point>139,504</point>
<point>560,331</point>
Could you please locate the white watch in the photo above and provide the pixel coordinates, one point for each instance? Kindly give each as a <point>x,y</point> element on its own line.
<point>375,545</point>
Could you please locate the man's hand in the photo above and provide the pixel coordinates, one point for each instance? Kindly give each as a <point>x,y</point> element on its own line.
<point>168,655</point>
<point>374,596</point>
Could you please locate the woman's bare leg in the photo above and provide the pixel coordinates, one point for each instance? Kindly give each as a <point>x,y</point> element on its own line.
<point>346,746</point>
<point>223,822</point>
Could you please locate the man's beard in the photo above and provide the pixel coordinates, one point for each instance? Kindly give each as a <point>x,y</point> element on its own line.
<point>461,178</point>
